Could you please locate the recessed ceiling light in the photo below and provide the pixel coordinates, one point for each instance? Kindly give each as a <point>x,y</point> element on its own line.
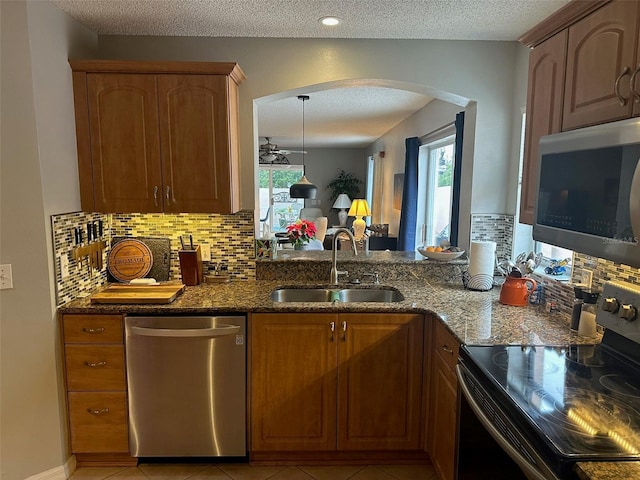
<point>330,21</point>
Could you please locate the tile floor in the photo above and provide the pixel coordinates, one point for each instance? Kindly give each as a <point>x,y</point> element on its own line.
<point>246,472</point>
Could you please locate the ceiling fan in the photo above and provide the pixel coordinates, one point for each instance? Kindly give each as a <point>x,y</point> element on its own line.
<point>271,154</point>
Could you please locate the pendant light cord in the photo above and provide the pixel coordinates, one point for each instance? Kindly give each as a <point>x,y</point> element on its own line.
<point>304,98</point>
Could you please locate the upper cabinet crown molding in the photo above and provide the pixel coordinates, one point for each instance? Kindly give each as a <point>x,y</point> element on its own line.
<point>231,69</point>
<point>157,136</point>
<point>563,18</point>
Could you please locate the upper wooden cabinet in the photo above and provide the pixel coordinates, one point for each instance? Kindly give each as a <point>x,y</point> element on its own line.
<point>544,112</point>
<point>328,382</point>
<point>157,136</point>
<point>601,64</point>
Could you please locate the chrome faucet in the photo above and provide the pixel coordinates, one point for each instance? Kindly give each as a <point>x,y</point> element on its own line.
<point>334,259</point>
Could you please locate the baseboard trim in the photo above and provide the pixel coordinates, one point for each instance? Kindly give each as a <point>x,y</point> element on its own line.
<point>62,472</point>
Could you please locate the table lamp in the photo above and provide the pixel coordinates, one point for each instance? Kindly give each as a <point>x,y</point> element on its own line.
<point>342,202</point>
<point>359,208</point>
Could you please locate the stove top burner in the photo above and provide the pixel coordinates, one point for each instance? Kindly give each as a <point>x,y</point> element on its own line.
<point>620,384</point>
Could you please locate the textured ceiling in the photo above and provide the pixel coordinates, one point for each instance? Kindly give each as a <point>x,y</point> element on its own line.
<point>418,19</point>
<point>343,117</point>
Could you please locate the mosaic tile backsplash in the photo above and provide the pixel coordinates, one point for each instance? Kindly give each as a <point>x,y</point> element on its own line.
<point>496,228</point>
<point>230,238</point>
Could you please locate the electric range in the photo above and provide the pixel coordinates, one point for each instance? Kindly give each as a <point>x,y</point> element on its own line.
<point>549,407</point>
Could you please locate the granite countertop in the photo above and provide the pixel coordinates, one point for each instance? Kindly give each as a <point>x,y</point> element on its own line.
<point>475,318</point>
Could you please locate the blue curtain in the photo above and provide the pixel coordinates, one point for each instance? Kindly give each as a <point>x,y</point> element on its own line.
<point>457,170</point>
<point>409,211</point>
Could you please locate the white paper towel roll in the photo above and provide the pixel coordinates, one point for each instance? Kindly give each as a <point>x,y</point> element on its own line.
<point>481,265</point>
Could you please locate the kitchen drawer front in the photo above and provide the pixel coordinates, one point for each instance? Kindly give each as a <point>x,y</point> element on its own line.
<point>93,329</point>
<point>446,345</point>
<point>95,367</point>
<point>98,422</point>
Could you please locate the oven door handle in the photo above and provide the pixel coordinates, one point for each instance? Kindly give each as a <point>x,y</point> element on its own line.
<point>531,471</point>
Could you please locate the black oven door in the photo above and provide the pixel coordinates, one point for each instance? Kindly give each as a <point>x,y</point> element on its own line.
<point>483,424</point>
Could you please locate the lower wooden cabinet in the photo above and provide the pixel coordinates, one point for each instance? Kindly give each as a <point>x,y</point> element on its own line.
<point>98,422</point>
<point>336,382</point>
<point>96,385</point>
<point>443,403</point>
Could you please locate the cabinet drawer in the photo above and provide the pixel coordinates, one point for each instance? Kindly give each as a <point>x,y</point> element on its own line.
<point>92,329</point>
<point>95,367</point>
<point>446,345</point>
<point>98,422</point>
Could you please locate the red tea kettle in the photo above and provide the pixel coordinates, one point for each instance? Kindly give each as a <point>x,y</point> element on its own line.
<point>515,291</point>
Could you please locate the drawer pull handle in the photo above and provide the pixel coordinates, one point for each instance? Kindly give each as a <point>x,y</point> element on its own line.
<point>102,363</point>
<point>344,331</point>
<point>104,411</point>
<point>332,327</point>
<point>93,330</point>
<point>447,349</point>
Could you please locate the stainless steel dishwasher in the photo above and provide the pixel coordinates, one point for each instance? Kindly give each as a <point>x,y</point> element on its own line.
<point>186,381</point>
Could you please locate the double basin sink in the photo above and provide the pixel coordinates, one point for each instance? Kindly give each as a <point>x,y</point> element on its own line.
<point>337,294</point>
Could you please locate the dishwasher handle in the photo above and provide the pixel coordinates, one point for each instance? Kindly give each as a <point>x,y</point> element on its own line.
<point>219,331</point>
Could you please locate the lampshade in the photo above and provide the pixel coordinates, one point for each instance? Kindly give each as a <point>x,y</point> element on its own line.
<point>303,188</point>
<point>359,208</point>
<point>343,201</point>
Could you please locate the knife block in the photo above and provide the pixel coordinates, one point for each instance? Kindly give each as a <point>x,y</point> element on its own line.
<point>191,266</point>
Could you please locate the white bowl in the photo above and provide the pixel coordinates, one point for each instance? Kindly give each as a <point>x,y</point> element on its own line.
<point>440,256</point>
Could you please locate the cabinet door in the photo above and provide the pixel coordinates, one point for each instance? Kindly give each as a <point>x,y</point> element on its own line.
<point>194,127</point>
<point>443,418</point>
<point>380,378</point>
<point>293,382</point>
<point>125,143</point>
<point>544,112</point>
<point>601,57</point>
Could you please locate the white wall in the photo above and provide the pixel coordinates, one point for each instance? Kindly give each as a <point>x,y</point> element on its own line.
<point>38,177</point>
<point>475,74</point>
<point>433,116</point>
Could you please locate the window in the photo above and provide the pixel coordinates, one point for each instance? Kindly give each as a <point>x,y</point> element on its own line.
<point>277,209</point>
<point>435,190</point>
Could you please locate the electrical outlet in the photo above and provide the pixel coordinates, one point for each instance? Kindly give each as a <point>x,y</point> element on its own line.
<point>587,277</point>
<point>6,277</point>
<point>205,252</point>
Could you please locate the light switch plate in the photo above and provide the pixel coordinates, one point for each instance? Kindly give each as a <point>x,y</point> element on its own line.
<point>587,277</point>
<point>6,277</point>
<point>64,265</point>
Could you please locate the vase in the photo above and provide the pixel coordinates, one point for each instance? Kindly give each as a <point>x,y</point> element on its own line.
<point>301,246</point>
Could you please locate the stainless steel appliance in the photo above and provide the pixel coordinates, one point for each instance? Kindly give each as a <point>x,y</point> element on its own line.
<point>549,407</point>
<point>588,196</point>
<point>186,381</point>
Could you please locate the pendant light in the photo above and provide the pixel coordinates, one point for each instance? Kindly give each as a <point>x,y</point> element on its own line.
<point>303,188</point>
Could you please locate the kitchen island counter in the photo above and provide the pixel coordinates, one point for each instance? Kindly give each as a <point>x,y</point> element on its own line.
<point>475,318</point>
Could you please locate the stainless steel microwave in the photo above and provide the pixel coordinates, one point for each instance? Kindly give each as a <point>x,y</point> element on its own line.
<point>588,196</point>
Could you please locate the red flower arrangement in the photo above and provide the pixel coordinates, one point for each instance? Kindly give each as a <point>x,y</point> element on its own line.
<point>301,232</point>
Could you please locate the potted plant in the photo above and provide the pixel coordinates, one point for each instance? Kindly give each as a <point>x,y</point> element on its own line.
<point>300,233</point>
<point>345,182</point>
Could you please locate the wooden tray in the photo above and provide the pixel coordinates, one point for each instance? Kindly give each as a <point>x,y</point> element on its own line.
<point>137,294</point>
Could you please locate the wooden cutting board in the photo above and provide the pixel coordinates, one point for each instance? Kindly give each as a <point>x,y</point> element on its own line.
<point>138,294</point>
<point>129,259</point>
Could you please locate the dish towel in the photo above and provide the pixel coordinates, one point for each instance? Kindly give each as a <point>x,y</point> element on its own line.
<point>482,259</point>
